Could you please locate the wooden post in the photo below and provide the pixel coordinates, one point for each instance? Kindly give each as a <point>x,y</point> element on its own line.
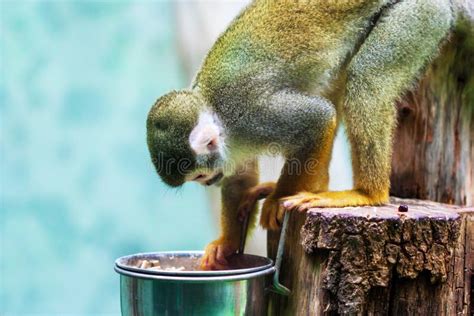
<point>433,156</point>
<point>377,261</point>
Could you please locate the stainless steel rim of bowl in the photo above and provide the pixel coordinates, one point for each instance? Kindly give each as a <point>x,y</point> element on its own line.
<point>122,267</point>
<point>195,279</point>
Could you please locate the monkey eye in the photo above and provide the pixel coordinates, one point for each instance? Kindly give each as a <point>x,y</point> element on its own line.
<point>158,125</point>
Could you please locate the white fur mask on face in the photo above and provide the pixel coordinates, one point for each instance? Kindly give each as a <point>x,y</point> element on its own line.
<point>206,136</point>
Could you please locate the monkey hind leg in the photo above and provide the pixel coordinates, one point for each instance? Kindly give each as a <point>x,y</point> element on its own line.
<point>306,172</point>
<point>402,42</point>
<point>251,197</point>
<point>305,127</point>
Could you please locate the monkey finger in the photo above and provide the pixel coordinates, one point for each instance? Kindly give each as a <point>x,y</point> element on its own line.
<point>217,266</point>
<point>273,219</point>
<point>244,209</point>
<point>286,202</point>
<point>292,202</point>
<point>301,202</point>
<point>264,216</point>
<point>203,263</point>
<point>221,254</point>
<point>301,205</point>
<point>212,264</point>
<point>304,207</point>
<point>273,224</point>
<point>281,214</point>
<point>291,205</point>
<point>211,256</point>
<point>264,221</point>
<point>269,221</point>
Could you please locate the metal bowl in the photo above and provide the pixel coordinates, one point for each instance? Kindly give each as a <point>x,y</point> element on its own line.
<point>189,260</point>
<point>238,291</point>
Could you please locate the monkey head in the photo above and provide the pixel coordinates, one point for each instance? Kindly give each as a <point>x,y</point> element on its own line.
<point>185,139</point>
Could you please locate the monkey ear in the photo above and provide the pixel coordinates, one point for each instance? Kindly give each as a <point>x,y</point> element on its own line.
<point>204,137</point>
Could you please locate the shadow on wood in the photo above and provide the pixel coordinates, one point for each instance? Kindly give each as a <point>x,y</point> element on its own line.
<point>434,139</point>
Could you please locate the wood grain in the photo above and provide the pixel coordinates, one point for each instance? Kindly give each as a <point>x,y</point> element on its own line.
<point>377,261</point>
<point>433,151</point>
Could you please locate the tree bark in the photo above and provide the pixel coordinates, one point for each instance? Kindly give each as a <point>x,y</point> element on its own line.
<point>377,261</point>
<point>433,148</point>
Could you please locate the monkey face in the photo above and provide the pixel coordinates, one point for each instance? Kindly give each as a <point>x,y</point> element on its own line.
<point>208,168</point>
<point>183,143</point>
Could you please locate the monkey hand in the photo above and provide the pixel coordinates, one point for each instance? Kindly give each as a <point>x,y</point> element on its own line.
<point>272,213</point>
<point>305,200</point>
<point>216,252</point>
<point>250,198</point>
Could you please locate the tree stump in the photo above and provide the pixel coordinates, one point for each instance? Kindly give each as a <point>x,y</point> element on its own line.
<point>377,261</point>
<point>433,157</point>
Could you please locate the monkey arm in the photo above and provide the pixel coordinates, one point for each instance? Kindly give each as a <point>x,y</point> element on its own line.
<point>233,191</point>
<point>302,127</point>
<point>249,201</point>
<point>286,121</point>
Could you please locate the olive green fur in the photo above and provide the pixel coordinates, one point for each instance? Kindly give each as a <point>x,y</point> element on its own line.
<point>167,134</point>
<point>404,40</point>
<point>263,75</point>
<point>286,72</point>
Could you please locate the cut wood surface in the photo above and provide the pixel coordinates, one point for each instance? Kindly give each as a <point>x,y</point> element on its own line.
<point>377,260</point>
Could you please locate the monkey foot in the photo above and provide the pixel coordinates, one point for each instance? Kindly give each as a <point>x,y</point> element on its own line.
<point>305,200</point>
<point>272,213</point>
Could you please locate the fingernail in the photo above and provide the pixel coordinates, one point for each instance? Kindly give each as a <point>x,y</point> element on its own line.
<point>287,204</point>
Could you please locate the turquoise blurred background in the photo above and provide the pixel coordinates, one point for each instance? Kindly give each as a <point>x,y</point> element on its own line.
<point>77,187</point>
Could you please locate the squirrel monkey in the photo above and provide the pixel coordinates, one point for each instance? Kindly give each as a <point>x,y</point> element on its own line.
<point>284,74</point>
